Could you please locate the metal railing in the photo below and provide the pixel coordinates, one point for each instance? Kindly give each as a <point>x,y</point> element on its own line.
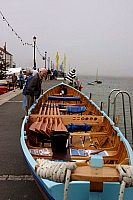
<point>123,103</point>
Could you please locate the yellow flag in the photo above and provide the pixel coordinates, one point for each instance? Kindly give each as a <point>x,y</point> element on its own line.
<point>64,67</point>
<point>57,61</point>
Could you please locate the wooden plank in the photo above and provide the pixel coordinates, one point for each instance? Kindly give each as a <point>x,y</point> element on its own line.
<point>96,174</point>
<point>76,119</point>
<point>91,134</point>
<point>78,104</point>
<point>81,119</point>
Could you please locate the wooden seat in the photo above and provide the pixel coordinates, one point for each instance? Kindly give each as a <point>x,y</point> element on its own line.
<point>97,174</point>
<point>82,119</point>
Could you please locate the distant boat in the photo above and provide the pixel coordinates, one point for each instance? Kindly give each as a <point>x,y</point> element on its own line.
<point>3,89</point>
<point>15,70</point>
<point>97,81</point>
<point>90,83</point>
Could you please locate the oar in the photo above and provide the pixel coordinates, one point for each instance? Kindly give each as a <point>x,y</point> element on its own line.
<point>39,124</point>
<point>49,126</point>
<point>54,127</point>
<point>44,125</point>
<point>33,126</point>
<point>61,126</point>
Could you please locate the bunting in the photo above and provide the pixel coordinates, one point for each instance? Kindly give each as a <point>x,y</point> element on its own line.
<point>20,38</point>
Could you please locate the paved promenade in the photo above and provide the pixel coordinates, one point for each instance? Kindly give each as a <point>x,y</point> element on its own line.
<point>16,182</point>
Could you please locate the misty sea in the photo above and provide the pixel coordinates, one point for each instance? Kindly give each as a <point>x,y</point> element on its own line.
<point>100,93</point>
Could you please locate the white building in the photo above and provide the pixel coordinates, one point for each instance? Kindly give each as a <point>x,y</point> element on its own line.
<point>6,57</point>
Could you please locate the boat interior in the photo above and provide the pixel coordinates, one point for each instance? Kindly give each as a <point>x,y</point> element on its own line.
<point>66,111</point>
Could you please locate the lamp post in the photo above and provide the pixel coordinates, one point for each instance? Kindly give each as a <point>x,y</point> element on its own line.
<point>48,62</point>
<point>34,41</point>
<point>45,58</point>
<point>51,64</point>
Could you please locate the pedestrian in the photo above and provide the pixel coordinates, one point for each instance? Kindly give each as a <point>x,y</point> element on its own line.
<point>48,74</point>
<point>55,74</point>
<point>14,79</point>
<point>52,74</point>
<point>21,80</point>
<point>28,79</point>
<point>71,76</point>
<point>34,72</point>
<point>34,88</point>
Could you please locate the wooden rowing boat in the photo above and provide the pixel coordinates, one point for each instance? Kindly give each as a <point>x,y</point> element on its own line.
<point>73,129</point>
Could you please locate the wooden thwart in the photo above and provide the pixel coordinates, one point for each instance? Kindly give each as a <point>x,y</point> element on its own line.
<point>75,119</point>
<point>82,119</point>
<point>95,174</point>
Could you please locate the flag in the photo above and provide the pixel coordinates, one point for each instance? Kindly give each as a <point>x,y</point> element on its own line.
<point>61,67</point>
<point>57,61</point>
<point>64,68</point>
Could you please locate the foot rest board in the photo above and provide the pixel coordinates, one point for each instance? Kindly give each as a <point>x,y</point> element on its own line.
<point>91,134</point>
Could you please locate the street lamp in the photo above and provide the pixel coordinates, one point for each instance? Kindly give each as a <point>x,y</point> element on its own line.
<point>34,41</point>
<point>51,64</point>
<point>45,58</point>
<point>48,62</point>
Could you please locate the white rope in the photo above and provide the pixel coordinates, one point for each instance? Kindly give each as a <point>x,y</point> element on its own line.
<point>56,171</point>
<point>126,178</point>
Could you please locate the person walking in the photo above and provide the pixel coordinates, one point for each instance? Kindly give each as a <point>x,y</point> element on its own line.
<point>34,88</point>
<point>14,79</point>
<point>21,80</point>
<point>49,74</point>
<point>29,76</point>
<point>71,76</point>
<point>55,74</point>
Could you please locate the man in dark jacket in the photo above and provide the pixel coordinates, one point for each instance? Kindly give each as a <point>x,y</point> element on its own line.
<point>34,88</point>
<point>29,76</point>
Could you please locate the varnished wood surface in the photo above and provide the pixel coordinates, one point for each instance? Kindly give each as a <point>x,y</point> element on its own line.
<point>96,174</point>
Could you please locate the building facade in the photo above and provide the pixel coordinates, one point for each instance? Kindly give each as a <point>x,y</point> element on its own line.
<point>6,59</point>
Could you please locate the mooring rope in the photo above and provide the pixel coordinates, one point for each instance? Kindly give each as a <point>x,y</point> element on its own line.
<point>56,171</point>
<point>126,178</point>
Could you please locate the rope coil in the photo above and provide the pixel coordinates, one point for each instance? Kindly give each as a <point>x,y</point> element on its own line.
<point>56,171</point>
<point>126,178</point>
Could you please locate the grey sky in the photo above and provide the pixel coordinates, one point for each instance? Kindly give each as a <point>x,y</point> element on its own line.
<point>93,34</point>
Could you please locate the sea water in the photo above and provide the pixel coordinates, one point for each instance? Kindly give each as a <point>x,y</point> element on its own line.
<point>100,93</point>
